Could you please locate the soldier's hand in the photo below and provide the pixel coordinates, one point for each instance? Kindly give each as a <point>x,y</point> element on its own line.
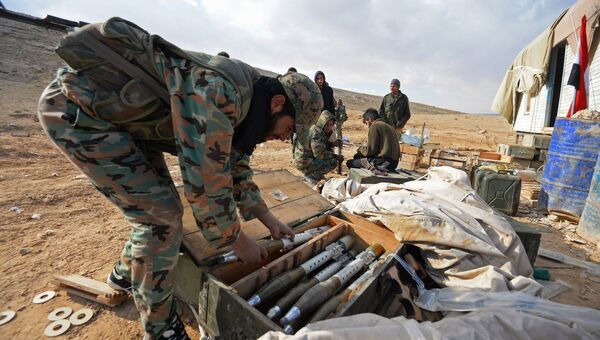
<point>275,226</point>
<point>339,158</point>
<point>248,250</point>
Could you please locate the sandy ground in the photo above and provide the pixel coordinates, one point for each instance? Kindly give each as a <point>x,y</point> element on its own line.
<point>79,232</point>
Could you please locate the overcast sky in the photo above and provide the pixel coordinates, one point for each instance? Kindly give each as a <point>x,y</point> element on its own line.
<point>447,53</point>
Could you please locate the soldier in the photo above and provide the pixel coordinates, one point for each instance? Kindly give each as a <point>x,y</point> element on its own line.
<point>382,150</point>
<point>394,108</point>
<point>318,158</point>
<point>126,97</point>
<point>340,118</point>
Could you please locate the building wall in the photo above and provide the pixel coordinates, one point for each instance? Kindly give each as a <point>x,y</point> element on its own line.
<point>532,118</point>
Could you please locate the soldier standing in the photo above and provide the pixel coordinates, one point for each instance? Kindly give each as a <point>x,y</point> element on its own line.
<point>395,109</point>
<point>126,97</point>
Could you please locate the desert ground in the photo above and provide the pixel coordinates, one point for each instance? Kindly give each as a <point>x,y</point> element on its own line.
<point>52,221</point>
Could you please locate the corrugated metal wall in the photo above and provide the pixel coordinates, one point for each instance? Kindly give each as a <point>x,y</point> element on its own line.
<point>532,120</point>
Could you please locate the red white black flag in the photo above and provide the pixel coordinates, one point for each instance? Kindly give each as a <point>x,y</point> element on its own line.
<point>579,77</point>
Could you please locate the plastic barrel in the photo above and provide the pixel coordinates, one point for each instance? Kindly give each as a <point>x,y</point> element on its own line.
<point>570,165</point>
<point>589,225</point>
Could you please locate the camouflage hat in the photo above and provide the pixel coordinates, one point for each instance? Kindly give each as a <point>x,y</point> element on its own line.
<point>324,118</point>
<point>307,100</point>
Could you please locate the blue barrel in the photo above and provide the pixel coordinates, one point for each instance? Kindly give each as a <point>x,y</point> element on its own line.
<point>570,165</point>
<point>589,225</point>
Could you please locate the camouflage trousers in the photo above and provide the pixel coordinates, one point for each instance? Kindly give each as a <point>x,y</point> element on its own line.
<point>138,182</point>
<point>317,168</point>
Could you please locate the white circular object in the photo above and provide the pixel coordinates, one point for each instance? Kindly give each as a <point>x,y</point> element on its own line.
<point>6,316</point>
<point>81,316</point>
<point>60,313</point>
<point>57,328</point>
<point>45,296</point>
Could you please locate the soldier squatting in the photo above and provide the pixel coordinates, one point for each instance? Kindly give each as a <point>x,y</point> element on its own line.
<point>127,96</point>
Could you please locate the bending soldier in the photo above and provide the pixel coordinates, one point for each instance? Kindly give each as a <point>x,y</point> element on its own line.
<point>114,122</point>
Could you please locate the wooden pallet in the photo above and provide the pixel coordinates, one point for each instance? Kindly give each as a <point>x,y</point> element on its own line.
<point>91,289</point>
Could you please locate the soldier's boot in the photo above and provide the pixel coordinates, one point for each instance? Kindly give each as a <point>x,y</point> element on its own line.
<point>117,281</point>
<point>175,330</point>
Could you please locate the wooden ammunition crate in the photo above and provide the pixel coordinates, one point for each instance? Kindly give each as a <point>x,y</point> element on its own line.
<point>220,294</point>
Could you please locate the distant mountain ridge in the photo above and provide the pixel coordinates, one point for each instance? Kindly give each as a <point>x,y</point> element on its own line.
<point>362,101</point>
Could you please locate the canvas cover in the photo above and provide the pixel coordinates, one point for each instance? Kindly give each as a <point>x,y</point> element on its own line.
<point>470,251</point>
<point>527,74</point>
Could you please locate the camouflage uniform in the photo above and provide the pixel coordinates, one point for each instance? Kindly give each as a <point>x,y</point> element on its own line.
<point>340,118</point>
<point>395,110</point>
<point>114,129</point>
<point>319,158</point>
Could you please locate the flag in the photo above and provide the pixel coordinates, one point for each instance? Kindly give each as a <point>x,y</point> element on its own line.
<point>579,77</point>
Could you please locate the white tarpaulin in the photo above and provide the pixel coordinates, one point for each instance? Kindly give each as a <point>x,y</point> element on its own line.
<point>496,323</point>
<point>471,251</point>
<point>464,243</point>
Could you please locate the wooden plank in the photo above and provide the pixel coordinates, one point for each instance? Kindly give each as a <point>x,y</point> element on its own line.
<point>408,158</point>
<point>490,155</point>
<point>274,178</point>
<point>294,190</point>
<point>91,289</point>
<point>290,213</point>
<point>411,149</point>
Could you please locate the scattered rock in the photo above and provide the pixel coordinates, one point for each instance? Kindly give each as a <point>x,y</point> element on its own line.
<point>80,177</point>
<point>36,217</point>
<point>50,232</point>
<point>482,131</point>
<point>54,174</point>
<point>20,134</point>
<point>15,209</point>
<point>575,239</point>
<point>553,218</point>
<point>25,251</point>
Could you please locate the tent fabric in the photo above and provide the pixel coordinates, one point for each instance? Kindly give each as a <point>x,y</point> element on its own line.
<point>569,24</point>
<point>463,241</point>
<point>527,74</point>
<point>496,323</point>
<point>473,253</point>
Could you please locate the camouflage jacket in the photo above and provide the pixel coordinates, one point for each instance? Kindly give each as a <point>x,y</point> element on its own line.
<point>395,110</point>
<point>319,146</point>
<point>340,115</point>
<point>208,101</point>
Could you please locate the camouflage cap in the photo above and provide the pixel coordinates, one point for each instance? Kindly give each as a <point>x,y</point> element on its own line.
<point>324,118</point>
<point>307,100</point>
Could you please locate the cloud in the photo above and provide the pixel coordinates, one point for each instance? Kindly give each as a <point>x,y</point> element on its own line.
<point>450,54</point>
